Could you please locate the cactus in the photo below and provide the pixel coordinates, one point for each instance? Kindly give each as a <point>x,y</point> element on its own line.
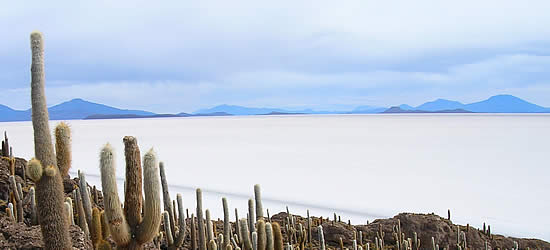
<point>97,233</point>
<point>128,229</point>
<point>255,240</point>
<point>17,199</point>
<point>246,242</point>
<point>200,221</point>
<point>212,245</point>
<point>193,233</point>
<point>226,224</point>
<point>82,222</point>
<point>49,188</point>
<point>258,198</point>
<point>63,148</point>
<point>277,236</point>
<point>269,236</point>
<point>239,237</point>
<point>34,217</point>
<point>262,238</point>
<point>166,195</point>
<point>177,235</point>
<point>85,199</point>
<point>9,211</point>
<point>209,230</point>
<point>321,237</point>
<point>251,217</point>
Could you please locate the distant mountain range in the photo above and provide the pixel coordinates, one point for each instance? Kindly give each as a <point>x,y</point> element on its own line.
<point>81,109</point>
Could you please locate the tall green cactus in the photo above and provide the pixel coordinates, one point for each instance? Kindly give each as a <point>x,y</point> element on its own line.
<point>49,186</point>
<point>128,229</point>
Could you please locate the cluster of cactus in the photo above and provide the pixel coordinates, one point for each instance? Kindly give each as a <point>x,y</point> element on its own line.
<point>138,221</point>
<point>175,233</point>
<point>6,151</point>
<point>403,243</point>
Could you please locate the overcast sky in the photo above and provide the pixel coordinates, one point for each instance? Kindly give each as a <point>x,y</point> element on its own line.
<point>180,56</point>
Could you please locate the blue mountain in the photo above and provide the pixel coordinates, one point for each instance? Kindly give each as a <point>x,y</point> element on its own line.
<point>73,109</point>
<point>505,104</point>
<point>9,114</point>
<point>495,104</point>
<point>440,104</point>
<point>367,110</point>
<point>80,109</point>
<point>406,107</point>
<point>238,110</point>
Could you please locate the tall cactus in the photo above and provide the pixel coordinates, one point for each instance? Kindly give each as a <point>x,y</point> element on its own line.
<point>226,225</point>
<point>49,186</point>
<point>258,198</point>
<point>200,221</point>
<point>176,234</point>
<point>128,229</point>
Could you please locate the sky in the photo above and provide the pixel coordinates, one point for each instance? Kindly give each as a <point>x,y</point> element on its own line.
<point>181,56</point>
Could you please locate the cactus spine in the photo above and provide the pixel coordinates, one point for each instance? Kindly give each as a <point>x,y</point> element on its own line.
<point>128,229</point>
<point>49,188</point>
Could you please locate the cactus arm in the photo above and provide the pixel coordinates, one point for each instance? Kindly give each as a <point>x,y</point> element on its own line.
<point>149,227</point>
<point>63,148</point>
<point>120,230</point>
<point>133,197</point>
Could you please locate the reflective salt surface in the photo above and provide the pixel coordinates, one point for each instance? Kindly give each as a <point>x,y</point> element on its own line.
<point>485,168</point>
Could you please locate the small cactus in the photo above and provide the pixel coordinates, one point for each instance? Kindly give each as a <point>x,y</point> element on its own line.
<point>321,238</point>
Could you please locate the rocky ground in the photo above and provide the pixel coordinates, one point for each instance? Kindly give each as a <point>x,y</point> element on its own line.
<point>24,236</point>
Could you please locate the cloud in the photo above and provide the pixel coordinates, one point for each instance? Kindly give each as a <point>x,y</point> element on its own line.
<point>284,53</point>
